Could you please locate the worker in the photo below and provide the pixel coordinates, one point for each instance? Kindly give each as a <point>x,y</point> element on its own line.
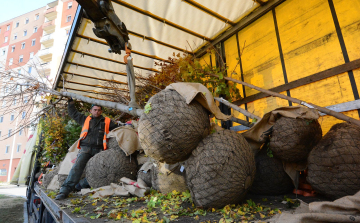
<point>92,141</point>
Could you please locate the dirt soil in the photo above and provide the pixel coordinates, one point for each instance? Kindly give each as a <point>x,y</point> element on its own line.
<point>11,209</point>
<point>176,208</point>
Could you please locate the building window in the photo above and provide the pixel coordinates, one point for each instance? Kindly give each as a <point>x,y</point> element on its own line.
<point>6,39</point>
<point>19,72</point>
<point>0,133</point>
<point>9,132</point>
<point>3,52</point>
<point>17,24</point>
<point>33,42</point>
<point>69,5</point>
<point>10,61</point>
<point>15,36</point>
<point>25,32</point>
<point>12,117</point>
<point>14,102</point>
<point>18,148</point>
<point>67,31</point>
<point>3,172</point>
<point>22,45</point>
<point>23,115</point>
<point>30,68</point>
<point>12,48</point>
<point>35,29</point>
<point>1,119</point>
<point>0,30</point>
<point>21,58</point>
<point>31,55</point>
<point>36,16</point>
<point>7,149</point>
<point>20,132</point>
<point>26,20</point>
<point>68,18</point>
<point>7,27</point>
<point>3,104</point>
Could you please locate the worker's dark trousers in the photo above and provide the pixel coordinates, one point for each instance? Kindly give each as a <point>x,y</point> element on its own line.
<point>77,170</point>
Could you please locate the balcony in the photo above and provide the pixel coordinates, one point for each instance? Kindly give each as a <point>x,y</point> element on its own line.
<point>45,69</point>
<point>45,55</point>
<point>52,4</point>
<point>47,41</point>
<point>51,13</point>
<point>49,27</point>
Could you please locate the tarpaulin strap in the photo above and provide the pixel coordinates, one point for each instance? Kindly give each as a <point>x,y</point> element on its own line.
<point>305,190</point>
<point>40,178</point>
<point>134,184</point>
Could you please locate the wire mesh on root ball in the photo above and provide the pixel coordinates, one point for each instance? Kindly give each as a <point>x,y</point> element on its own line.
<point>220,170</point>
<point>334,164</point>
<point>293,139</point>
<point>146,177</point>
<point>167,181</point>
<point>109,166</point>
<point>270,177</point>
<point>62,178</point>
<point>170,129</point>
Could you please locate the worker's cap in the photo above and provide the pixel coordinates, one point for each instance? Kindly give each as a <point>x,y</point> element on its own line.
<point>95,105</point>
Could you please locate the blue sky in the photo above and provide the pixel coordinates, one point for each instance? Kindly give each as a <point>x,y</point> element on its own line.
<point>12,8</point>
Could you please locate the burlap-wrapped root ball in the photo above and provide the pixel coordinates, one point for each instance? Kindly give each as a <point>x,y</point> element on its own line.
<point>220,170</point>
<point>270,178</point>
<point>168,180</point>
<point>172,129</point>
<point>334,164</point>
<point>293,139</point>
<point>49,176</point>
<point>109,166</point>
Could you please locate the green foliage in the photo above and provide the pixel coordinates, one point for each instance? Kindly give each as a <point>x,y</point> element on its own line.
<point>60,132</point>
<point>73,131</point>
<point>269,152</point>
<point>291,203</point>
<point>55,149</point>
<point>147,108</point>
<point>186,68</point>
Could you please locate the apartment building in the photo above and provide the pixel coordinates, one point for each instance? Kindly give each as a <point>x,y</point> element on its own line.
<point>32,43</point>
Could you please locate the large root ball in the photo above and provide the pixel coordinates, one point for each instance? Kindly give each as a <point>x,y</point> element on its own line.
<point>293,139</point>
<point>167,181</point>
<point>109,166</point>
<point>334,164</point>
<point>146,177</point>
<point>220,170</point>
<point>49,175</point>
<point>62,178</point>
<point>270,178</point>
<point>172,129</point>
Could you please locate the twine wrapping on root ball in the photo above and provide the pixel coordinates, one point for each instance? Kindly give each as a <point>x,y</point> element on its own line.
<point>293,139</point>
<point>270,178</point>
<point>172,129</point>
<point>169,180</point>
<point>334,164</point>
<point>220,170</point>
<point>109,166</point>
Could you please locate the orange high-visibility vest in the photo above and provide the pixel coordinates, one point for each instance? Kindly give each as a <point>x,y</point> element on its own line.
<point>85,130</point>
